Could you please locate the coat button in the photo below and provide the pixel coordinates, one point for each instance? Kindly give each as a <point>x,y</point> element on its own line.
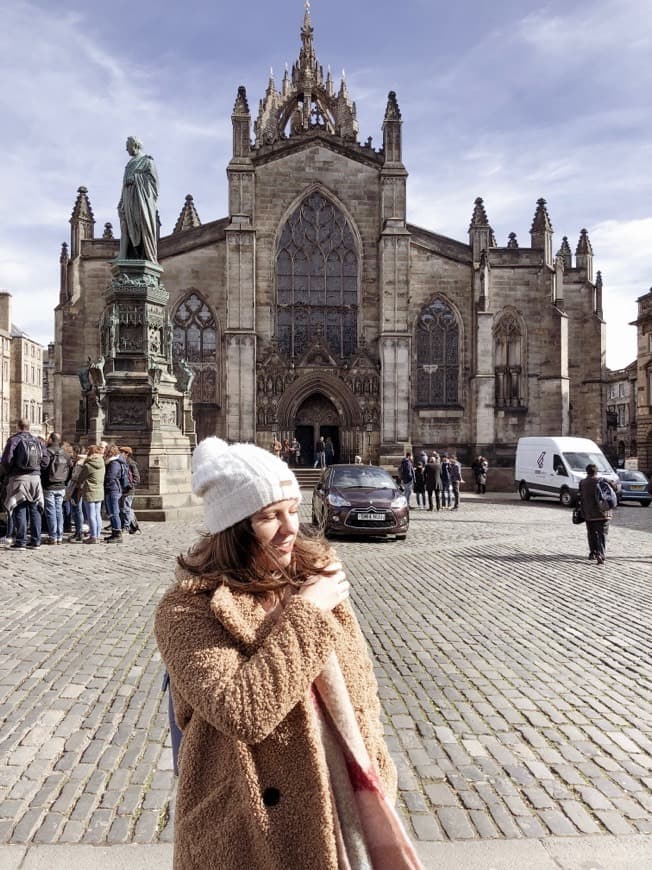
<point>271,796</point>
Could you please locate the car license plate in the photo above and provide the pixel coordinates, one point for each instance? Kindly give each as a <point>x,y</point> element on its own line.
<point>637,487</point>
<point>372,517</point>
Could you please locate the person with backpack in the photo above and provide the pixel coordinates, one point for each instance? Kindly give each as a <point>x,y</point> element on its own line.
<point>21,461</point>
<point>116,483</point>
<point>56,467</point>
<point>127,515</point>
<point>597,498</point>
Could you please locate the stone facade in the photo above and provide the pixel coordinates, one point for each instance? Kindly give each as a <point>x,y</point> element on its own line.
<point>621,442</point>
<point>644,383</point>
<point>21,375</point>
<point>315,308</point>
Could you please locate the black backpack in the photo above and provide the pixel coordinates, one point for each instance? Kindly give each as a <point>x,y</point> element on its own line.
<point>27,455</point>
<point>59,468</point>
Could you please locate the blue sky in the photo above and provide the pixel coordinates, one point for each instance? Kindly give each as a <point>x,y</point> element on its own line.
<point>509,100</point>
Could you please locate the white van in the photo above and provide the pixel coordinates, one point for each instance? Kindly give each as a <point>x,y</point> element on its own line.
<point>554,466</point>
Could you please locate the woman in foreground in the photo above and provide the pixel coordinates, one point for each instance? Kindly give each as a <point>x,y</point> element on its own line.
<point>282,763</point>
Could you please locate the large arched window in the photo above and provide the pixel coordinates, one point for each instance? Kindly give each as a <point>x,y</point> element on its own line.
<point>195,341</point>
<point>317,280</point>
<point>510,383</point>
<point>438,355</point>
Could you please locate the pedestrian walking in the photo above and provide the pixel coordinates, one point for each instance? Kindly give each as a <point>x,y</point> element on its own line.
<point>595,515</point>
<point>282,763</point>
<point>320,454</point>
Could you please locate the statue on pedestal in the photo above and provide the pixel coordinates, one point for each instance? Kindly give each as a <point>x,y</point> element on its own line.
<point>137,206</point>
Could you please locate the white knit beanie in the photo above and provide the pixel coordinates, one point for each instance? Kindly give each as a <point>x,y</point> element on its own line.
<point>238,480</point>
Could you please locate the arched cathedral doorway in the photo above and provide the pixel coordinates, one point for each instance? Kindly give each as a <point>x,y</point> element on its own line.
<point>317,416</point>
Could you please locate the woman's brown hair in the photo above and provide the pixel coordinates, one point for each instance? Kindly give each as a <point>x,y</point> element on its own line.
<point>95,449</point>
<point>235,558</point>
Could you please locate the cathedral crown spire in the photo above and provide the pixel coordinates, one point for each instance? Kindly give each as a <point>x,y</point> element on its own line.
<point>307,100</point>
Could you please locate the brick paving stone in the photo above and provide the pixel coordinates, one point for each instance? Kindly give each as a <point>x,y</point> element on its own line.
<point>426,828</point>
<point>441,795</point>
<point>504,820</point>
<point>630,809</point>
<point>483,825</point>
<point>559,824</point>
<point>455,823</point>
<point>615,823</point>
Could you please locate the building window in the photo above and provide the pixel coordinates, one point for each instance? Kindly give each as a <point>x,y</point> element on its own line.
<point>438,355</point>
<point>509,367</point>
<point>26,373</point>
<point>622,415</point>
<point>317,280</point>
<point>195,341</point>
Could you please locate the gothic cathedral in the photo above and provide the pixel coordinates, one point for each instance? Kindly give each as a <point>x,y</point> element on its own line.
<point>315,308</point>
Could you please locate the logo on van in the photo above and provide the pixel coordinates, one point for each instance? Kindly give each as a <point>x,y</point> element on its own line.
<point>540,459</point>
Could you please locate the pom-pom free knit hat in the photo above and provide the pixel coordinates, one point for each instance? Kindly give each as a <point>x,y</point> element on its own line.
<point>237,480</point>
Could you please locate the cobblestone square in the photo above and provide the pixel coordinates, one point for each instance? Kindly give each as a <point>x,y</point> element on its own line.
<point>515,677</point>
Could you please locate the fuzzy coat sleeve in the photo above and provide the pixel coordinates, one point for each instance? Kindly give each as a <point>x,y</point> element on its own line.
<point>244,696</point>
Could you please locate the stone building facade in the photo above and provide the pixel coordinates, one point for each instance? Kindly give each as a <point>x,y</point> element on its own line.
<point>21,373</point>
<point>315,308</point>
<point>643,324</point>
<point>621,437</point>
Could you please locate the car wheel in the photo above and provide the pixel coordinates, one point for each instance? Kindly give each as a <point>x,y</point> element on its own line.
<point>566,497</point>
<point>403,537</point>
<point>523,491</point>
<point>645,502</point>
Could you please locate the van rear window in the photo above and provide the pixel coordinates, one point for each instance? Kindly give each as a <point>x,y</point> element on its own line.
<point>579,461</point>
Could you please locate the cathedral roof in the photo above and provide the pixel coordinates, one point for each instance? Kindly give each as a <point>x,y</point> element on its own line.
<point>306,101</point>
<point>188,219</point>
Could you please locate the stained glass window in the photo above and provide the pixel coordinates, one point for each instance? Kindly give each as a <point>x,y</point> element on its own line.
<point>509,381</point>
<point>317,280</point>
<point>437,347</point>
<point>195,340</point>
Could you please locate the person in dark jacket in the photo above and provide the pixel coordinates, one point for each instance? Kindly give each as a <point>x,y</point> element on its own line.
<point>56,467</point>
<point>432,473</point>
<point>23,490</point>
<point>597,521</point>
<point>420,485</point>
<point>113,490</point>
<point>127,515</point>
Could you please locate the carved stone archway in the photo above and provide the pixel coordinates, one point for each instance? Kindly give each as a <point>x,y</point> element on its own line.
<point>317,404</point>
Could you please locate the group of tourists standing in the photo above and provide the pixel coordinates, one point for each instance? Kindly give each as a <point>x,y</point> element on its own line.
<point>438,477</point>
<point>64,487</point>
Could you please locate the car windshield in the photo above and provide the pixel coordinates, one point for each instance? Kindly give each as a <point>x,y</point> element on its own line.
<point>636,476</point>
<point>366,476</point>
<point>579,461</point>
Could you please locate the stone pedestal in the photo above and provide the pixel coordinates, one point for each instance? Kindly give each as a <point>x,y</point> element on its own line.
<point>136,394</point>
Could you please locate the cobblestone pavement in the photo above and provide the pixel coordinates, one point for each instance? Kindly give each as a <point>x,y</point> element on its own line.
<point>515,677</point>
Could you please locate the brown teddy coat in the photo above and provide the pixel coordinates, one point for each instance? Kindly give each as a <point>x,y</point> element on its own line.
<point>253,789</point>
